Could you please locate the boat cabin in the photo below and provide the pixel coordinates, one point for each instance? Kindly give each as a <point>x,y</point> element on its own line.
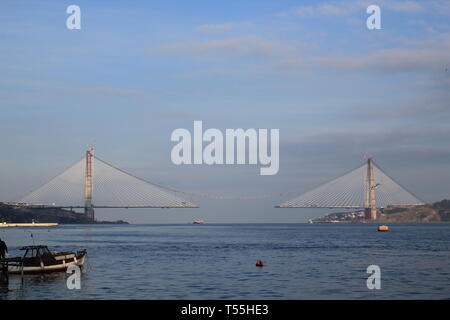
<point>35,251</point>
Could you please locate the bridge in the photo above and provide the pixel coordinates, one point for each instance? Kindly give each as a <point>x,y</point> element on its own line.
<point>366,187</point>
<point>93,183</point>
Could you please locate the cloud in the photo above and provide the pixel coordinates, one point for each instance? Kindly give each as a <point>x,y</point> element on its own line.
<point>178,115</point>
<point>211,71</point>
<point>389,60</point>
<point>323,9</point>
<point>290,56</point>
<point>213,28</point>
<point>238,46</point>
<point>440,6</point>
<point>415,145</point>
<point>402,6</point>
<point>318,10</point>
<point>435,107</point>
<point>347,7</point>
<point>383,61</point>
<point>108,91</point>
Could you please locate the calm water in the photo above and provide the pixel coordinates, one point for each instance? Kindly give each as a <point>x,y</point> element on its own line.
<point>218,261</point>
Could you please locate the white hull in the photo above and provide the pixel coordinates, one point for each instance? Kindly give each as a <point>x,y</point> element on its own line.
<point>39,259</point>
<point>44,269</point>
<point>12,225</point>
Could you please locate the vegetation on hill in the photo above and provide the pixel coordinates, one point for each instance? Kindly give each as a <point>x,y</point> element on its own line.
<point>436,212</point>
<point>443,208</point>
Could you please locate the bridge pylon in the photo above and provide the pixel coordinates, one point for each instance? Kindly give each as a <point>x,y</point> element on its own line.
<point>370,203</point>
<point>88,185</point>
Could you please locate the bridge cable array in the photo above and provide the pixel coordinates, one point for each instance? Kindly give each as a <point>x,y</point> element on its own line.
<point>114,187</point>
<point>349,189</point>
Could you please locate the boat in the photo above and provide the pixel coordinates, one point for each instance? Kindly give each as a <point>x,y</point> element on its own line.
<point>39,259</point>
<point>32,224</point>
<point>383,228</point>
<point>197,221</point>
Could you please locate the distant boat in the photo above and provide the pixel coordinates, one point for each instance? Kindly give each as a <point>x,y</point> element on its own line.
<point>198,221</point>
<point>32,224</point>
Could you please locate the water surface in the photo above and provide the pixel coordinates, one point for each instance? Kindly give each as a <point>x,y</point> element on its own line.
<point>217,261</point>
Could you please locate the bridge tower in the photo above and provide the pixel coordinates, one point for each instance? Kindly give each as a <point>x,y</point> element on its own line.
<point>370,203</point>
<point>88,185</point>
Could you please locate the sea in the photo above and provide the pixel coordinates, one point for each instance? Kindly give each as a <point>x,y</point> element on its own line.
<point>217,261</point>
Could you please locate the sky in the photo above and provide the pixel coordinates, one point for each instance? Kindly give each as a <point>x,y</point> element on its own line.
<point>137,70</point>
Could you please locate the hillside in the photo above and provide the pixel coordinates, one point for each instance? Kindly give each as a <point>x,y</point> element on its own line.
<point>62,216</point>
<point>437,212</point>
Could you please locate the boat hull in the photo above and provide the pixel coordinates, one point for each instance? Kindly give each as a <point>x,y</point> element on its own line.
<point>23,225</point>
<point>61,265</point>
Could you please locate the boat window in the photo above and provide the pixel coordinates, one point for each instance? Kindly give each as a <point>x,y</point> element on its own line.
<point>30,253</point>
<point>40,252</point>
<point>36,252</point>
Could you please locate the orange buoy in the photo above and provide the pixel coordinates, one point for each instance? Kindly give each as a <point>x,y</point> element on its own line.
<point>260,263</point>
<point>383,228</point>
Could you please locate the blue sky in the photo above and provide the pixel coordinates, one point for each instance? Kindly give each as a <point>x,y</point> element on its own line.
<point>138,70</point>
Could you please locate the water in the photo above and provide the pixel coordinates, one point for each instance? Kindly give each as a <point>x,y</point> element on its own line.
<point>218,261</point>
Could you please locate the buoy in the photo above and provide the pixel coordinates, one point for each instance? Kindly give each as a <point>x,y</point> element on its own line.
<point>260,263</point>
<point>383,228</point>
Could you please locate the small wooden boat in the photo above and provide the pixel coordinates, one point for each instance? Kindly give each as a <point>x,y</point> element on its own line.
<point>39,259</point>
<point>383,228</point>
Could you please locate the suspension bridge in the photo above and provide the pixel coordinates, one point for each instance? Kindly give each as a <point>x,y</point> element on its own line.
<point>93,183</point>
<point>366,187</point>
<point>112,187</point>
